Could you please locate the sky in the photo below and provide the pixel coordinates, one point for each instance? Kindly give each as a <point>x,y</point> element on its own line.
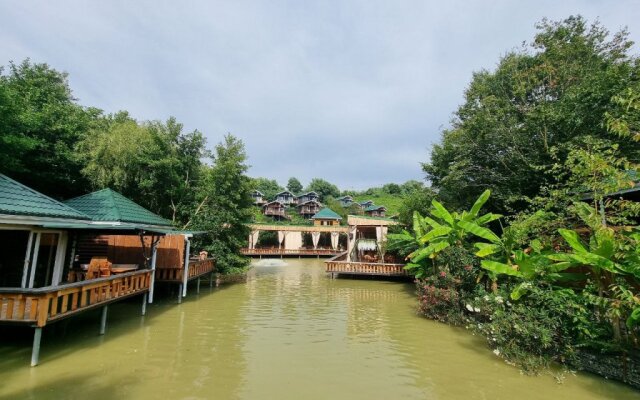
<point>355,92</point>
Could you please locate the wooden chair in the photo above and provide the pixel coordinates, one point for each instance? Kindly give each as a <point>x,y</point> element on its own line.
<point>99,267</point>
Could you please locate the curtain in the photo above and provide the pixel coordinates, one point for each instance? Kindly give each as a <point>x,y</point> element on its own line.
<point>293,241</point>
<point>315,237</point>
<point>335,236</point>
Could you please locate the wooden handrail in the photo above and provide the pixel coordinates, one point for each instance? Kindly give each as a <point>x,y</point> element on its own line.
<point>41,305</point>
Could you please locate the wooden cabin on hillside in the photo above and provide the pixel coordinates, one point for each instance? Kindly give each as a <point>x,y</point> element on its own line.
<point>376,211</point>
<point>286,198</point>
<point>365,204</point>
<point>275,209</point>
<point>326,217</point>
<point>258,198</point>
<point>309,196</point>
<point>309,208</point>
<point>345,201</point>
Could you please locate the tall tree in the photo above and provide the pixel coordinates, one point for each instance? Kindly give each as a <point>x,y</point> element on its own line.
<point>521,119</point>
<point>294,185</point>
<point>323,188</point>
<point>226,206</point>
<point>40,122</point>
<point>153,163</point>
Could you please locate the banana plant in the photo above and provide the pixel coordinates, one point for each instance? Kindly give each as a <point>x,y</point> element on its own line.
<point>442,229</point>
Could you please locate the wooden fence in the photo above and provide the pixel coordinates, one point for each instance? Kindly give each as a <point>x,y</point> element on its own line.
<point>274,251</point>
<point>196,268</point>
<point>39,306</point>
<point>339,265</point>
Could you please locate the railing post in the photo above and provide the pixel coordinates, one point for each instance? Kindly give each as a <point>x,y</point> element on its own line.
<point>35,351</point>
<point>103,320</point>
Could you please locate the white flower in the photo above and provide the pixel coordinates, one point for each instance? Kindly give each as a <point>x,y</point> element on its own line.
<point>499,299</point>
<point>486,298</point>
<point>476,309</point>
<point>509,304</point>
<point>469,307</point>
<point>496,352</point>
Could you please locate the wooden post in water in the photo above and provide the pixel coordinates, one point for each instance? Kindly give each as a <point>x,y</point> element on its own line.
<point>103,320</point>
<point>154,254</point>
<point>180,293</point>
<point>198,287</point>
<point>211,280</point>
<point>144,304</point>
<point>35,351</point>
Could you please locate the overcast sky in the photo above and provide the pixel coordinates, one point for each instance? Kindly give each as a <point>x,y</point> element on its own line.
<point>355,92</point>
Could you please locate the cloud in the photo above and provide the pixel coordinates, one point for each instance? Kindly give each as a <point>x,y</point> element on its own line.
<point>354,92</point>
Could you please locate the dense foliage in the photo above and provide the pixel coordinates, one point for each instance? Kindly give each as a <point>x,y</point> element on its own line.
<point>552,135</point>
<point>51,143</point>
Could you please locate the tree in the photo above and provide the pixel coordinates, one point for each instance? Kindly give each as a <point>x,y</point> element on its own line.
<point>268,187</point>
<point>294,185</point>
<point>392,188</point>
<point>323,188</point>
<point>520,119</point>
<point>40,123</point>
<point>153,163</point>
<point>417,200</point>
<point>225,206</point>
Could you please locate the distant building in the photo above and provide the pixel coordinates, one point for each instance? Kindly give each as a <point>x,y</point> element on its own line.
<point>375,211</point>
<point>309,208</point>
<point>275,209</point>
<point>258,198</point>
<point>326,217</point>
<point>345,201</point>
<point>286,198</point>
<point>310,196</point>
<point>365,204</point>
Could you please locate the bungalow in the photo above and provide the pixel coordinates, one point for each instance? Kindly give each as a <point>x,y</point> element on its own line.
<point>365,204</point>
<point>375,211</point>
<point>309,196</point>
<point>309,208</point>
<point>326,217</point>
<point>38,242</point>
<point>286,198</point>
<point>275,209</point>
<point>258,198</point>
<point>345,201</point>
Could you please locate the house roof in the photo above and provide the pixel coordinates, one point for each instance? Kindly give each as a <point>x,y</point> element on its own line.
<point>308,194</point>
<point>18,199</point>
<point>109,205</point>
<point>272,202</point>
<point>375,208</point>
<point>345,198</point>
<point>326,213</point>
<point>365,202</point>
<point>284,192</point>
<point>258,192</point>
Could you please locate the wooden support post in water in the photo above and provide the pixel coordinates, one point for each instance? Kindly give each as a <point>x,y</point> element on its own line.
<point>103,320</point>
<point>198,286</point>
<point>144,304</point>
<point>180,293</point>
<point>211,280</point>
<point>35,351</point>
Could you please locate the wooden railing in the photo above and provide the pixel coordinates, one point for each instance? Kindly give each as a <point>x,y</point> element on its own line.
<point>176,274</point>
<point>42,305</point>
<point>339,265</point>
<point>274,251</point>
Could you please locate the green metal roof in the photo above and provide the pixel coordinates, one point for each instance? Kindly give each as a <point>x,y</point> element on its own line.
<point>18,199</point>
<point>109,205</point>
<point>326,213</point>
<point>374,208</point>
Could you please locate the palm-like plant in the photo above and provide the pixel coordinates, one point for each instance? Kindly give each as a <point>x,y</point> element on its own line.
<point>443,229</point>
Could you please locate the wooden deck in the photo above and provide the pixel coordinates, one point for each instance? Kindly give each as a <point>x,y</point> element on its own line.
<point>196,268</point>
<point>288,252</point>
<point>338,265</point>
<point>37,307</point>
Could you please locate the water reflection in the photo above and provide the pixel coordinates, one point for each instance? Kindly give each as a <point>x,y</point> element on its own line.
<point>288,333</point>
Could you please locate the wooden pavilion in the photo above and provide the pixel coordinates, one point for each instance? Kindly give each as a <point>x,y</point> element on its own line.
<point>326,217</point>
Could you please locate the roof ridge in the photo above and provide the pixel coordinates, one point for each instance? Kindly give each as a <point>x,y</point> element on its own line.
<point>113,200</point>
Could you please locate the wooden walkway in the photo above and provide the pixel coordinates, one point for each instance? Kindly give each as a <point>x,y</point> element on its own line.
<point>339,266</point>
<point>288,252</point>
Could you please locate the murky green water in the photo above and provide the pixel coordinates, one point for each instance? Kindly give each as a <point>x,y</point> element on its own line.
<point>289,333</point>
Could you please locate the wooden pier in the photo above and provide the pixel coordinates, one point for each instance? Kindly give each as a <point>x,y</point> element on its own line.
<point>339,266</point>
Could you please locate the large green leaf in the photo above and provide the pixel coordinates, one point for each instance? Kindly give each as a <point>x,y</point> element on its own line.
<point>499,268</point>
<point>440,212</point>
<point>573,240</point>
<point>486,218</point>
<point>520,290</point>
<point>435,233</point>
<point>480,231</point>
<point>487,249</point>
<point>432,222</point>
<point>417,224</point>
<point>479,203</point>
